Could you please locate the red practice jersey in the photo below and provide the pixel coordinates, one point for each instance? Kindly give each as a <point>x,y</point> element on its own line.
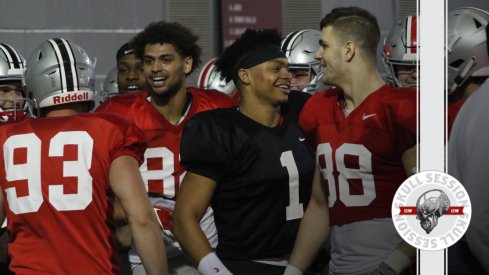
<point>360,155</point>
<point>161,170</point>
<point>54,180</point>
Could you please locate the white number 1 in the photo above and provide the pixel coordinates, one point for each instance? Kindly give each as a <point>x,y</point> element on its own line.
<point>294,210</point>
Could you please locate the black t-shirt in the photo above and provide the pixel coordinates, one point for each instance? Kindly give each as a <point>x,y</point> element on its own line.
<point>264,177</point>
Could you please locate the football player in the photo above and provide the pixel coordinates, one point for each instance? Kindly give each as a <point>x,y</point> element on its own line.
<point>170,53</point>
<point>130,76</point>
<point>210,79</point>
<point>467,57</point>
<point>364,133</point>
<point>400,53</point>
<point>12,101</point>
<point>14,105</point>
<point>250,163</point>
<point>59,174</point>
<point>468,144</point>
<point>299,48</point>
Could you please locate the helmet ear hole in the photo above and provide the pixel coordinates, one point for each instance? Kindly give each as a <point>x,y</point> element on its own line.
<point>39,57</point>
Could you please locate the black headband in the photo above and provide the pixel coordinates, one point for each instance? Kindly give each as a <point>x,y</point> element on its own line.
<point>255,56</point>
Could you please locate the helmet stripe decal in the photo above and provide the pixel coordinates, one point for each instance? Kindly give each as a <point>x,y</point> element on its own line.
<point>12,56</point>
<point>411,34</point>
<point>286,47</point>
<point>65,64</point>
<point>73,64</point>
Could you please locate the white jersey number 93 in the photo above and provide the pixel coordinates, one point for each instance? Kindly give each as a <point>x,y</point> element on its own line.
<point>31,171</point>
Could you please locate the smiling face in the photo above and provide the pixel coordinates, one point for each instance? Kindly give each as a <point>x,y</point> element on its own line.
<point>165,69</point>
<point>330,56</point>
<point>130,75</point>
<point>270,81</point>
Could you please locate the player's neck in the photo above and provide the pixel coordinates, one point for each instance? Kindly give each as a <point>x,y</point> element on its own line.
<point>172,108</point>
<point>267,115</point>
<point>64,110</point>
<point>362,86</point>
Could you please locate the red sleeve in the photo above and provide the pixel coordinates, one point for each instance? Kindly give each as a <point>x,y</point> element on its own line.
<point>127,139</point>
<point>308,119</point>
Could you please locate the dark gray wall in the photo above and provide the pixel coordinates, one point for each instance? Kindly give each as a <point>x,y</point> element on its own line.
<point>102,26</point>
<point>98,26</point>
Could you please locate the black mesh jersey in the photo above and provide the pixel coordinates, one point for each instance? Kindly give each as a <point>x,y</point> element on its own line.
<point>264,177</point>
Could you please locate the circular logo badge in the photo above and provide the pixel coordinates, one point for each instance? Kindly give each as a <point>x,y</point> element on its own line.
<point>431,210</point>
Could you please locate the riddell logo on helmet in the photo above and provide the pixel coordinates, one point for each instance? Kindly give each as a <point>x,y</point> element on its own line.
<point>431,210</point>
<point>70,98</point>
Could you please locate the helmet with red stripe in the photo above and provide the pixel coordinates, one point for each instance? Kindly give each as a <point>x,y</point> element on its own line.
<point>210,78</point>
<point>401,49</point>
<point>60,72</point>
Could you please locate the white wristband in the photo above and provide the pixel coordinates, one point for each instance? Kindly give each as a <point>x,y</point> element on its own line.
<point>292,270</point>
<point>398,261</point>
<point>211,265</point>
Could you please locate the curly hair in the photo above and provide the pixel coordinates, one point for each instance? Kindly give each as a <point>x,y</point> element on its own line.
<point>250,40</point>
<point>181,37</point>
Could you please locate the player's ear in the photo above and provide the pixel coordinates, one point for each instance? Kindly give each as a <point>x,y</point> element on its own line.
<point>244,76</point>
<point>188,62</point>
<point>349,50</point>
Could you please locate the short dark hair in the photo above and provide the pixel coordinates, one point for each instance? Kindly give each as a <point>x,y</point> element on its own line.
<point>161,32</point>
<point>356,24</point>
<point>251,40</point>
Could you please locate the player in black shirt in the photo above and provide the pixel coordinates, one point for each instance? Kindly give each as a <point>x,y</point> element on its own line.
<point>251,163</point>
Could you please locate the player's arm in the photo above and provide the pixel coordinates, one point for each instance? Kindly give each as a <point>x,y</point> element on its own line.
<point>128,186</point>
<point>194,197</point>
<point>313,231</point>
<point>123,231</point>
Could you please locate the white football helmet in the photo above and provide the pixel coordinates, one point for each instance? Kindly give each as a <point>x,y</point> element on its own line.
<point>466,46</point>
<point>12,69</point>
<point>109,87</point>
<point>59,72</point>
<point>299,48</point>
<point>210,78</point>
<point>401,48</point>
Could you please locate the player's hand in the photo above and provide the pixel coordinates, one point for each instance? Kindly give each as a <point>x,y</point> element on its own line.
<point>384,269</point>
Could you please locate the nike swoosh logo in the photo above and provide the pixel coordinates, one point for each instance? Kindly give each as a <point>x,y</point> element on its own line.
<point>364,117</point>
<point>302,139</point>
<point>128,51</point>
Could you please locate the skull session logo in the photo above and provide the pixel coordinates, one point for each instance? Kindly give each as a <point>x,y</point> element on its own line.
<point>431,210</point>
